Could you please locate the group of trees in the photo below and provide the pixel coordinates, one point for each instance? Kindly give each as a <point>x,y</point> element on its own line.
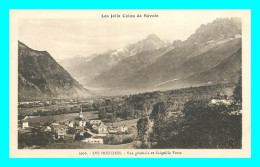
<point>201,125</point>
<point>126,108</point>
<point>141,105</point>
<point>118,139</point>
<point>35,138</point>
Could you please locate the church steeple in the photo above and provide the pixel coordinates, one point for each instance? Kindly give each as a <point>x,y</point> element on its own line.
<point>80,117</point>
<point>81,114</point>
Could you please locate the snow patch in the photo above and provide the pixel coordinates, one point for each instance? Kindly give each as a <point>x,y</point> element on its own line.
<point>167,82</point>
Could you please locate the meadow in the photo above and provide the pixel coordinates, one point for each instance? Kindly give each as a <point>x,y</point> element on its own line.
<point>29,111</point>
<point>61,118</point>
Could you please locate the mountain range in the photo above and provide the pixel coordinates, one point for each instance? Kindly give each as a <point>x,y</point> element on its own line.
<point>84,69</point>
<point>40,76</point>
<point>203,59</point>
<point>211,55</point>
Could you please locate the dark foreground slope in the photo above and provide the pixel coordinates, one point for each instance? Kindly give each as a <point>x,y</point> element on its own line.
<point>40,76</point>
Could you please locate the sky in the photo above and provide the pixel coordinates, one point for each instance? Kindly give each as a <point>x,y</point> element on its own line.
<point>64,36</point>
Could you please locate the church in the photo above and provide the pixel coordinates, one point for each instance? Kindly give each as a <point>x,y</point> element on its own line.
<point>80,120</point>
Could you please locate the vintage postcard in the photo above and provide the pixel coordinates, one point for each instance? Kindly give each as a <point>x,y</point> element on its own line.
<point>130,83</point>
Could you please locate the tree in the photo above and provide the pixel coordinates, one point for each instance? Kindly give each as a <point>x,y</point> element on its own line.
<point>207,126</point>
<point>159,116</point>
<point>237,94</point>
<point>41,138</point>
<point>202,125</point>
<point>142,127</point>
<point>159,108</point>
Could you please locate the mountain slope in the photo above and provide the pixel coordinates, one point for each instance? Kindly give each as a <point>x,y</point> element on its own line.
<point>209,46</point>
<point>40,76</point>
<point>85,71</point>
<point>227,71</point>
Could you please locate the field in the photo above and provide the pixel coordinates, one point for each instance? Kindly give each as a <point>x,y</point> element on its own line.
<point>128,123</point>
<point>83,145</point>
<point>27,111</point>
<point>61,118</point>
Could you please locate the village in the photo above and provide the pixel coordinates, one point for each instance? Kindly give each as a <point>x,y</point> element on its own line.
<point>79,128</point>
<point>116,122</point>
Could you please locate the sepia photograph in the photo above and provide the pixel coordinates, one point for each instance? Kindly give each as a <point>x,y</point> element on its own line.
<point>142,83</point>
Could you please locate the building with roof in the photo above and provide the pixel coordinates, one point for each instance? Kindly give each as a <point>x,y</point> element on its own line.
<point>80,120</point>
<point>70,123</point>
<point>61,133</point>
<point>46,129</point>
<point>94,140</point>
<point>102,129</point>
<point>59,130</point>
<point>123,129</point>
<point>95,122</point>
<point>25,124</point>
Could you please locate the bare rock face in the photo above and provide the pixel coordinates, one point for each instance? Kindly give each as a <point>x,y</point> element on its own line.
<point>217,30</point>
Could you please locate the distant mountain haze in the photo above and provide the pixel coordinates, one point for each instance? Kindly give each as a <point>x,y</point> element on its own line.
<point>40,76</point>
<point>84,71</point>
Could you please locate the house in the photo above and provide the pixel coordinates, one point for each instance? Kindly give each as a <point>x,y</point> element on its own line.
<point>221,101</point>
<point>95,127</point>
<point>95,122</point>
<point>70,124</point>
<point>60,130</point>
<point>236,112</point>
<point>55,124</point>
<point>61,133</point>
<point>48,103</point>
<point>93,140</point>
<point>46,129</point>
<point>25,104</point>
<point>40,104</point>
<point>82,123</point>
<point>25,124</point>
<point>81,133</point>
<point>123,128</point>
<point>29,117</point>
<point>102,129</point>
